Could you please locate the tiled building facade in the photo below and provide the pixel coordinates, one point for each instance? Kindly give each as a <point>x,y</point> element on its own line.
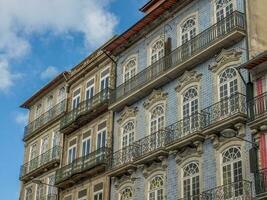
<point>147,113</point>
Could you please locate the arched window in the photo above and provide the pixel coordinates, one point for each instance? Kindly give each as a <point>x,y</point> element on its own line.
<point>157,51</point>
<point>128,134</point>
<point>188,29</point>
<point>223,8</point>
<point>191,180</point>
<point>130,69</point>
<point>228,83</point>
<point>232,171</point>
<point>156,188</point>
<point>190,109</point>
<point>126,194</point>
<point>157,119</point>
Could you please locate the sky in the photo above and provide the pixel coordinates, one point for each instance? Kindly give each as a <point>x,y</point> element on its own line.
<point>39,39</point>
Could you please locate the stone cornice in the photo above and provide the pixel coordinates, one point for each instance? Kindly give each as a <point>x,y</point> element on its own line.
<point>187,78</point>
<point>154,97</point>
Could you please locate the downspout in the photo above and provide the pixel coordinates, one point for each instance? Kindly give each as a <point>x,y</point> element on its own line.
<point>113,114</point>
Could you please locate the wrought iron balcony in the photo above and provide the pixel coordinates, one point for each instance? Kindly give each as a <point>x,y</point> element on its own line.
<point>40,164</point>
<point>44,119</point>
<point>237,190</point>
<point>218,115</point>
<point>257,110</point>
<point>86,111</point>
<point>82,167</point>
<point>203,46</point>
<point>261,183</point>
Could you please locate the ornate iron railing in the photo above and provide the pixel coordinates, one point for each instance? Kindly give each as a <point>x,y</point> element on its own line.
<point>234,21</point>
<point>86,107</point>
<point>100,156</point>
<point>261,182</point>
<point>257,107</point>
<point>41,160</point>
<point>123,156</point>
<point>233,191</point>
<point>45,118</point>
<point>225,108</point>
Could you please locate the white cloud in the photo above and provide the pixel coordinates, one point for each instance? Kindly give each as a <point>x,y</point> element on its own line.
<point>19,22</point>
<point>49,73</point>
<point>22,118</point>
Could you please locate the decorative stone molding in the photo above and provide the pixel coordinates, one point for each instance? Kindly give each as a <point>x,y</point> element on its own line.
<point>154,97</point>
<point>241,129</point>
<point>155,166</point>
<point>215,140</point>
<point>254,131</point>
<point>187,78</point>
<point>263,127</point>
<point>229,57</point>
<point>188,153</point>
<point>127,113</point>
<point>125,179</point>
<point>199,147</point>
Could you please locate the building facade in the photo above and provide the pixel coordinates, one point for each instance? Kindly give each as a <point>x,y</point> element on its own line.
<point>149,114</point>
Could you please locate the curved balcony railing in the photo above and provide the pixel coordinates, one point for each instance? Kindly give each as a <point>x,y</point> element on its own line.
<point>234,21</point>
<point>225,108</point>
<point>44,119</point>
<point>40,161</point>
<point>236,190</point>
<point>83,164</point>
<point>261,182</point>
<point>86,107</point>
<point>257,107</point>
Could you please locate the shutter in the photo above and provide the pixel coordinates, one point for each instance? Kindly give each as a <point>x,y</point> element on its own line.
<point>253,158</point>
<point>168,56</point>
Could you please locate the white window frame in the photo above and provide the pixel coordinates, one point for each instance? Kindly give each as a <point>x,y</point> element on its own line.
<point>163,187</point>
<point>97,193</point>
<point>131,120</point>
<point>72,147</point>
<point>41,145</point>
<point>49,102</point>
<point>130,71</point>
<point>152,44</point>
<point>53,138</point>
<point>26,188</point>
<point>89,88</point>
<point>104,77</point>
<point>38,110</point>
<point>90,149</point>
<point>161,104</point>
<point>215,9</point>
<point>101,132</point>
<point>76,97</point>
<point>123,189</point>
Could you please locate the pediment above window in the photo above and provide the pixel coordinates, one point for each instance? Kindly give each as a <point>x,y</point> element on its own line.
<point>226,57</point>
<point>124,180</point>
<point>154,97</point>
<point>187,78</point>
<point>128,112</point>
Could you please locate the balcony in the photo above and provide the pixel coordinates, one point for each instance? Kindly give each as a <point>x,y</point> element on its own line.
<point>44,120</point>
<point>86,111</point>
<point>234,191</point>
<point>82,167</point>
<point>261,184</point>
<point>48,197</point>
<point>46,161</point>
<point>206,44</point>
<point>225,113</point>
<point>158,144</point>
<point>257,111</point>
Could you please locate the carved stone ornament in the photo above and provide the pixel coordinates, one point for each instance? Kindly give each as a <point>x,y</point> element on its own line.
<point>187,78</point>
<point>127,113</point>
<point>155,166</point>
<point>230,56</point>
<point>189,152</point>
<point>154,97</point>
<point>118,182</point>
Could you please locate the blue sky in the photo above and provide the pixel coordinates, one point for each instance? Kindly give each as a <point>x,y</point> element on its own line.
<point>37,41</point>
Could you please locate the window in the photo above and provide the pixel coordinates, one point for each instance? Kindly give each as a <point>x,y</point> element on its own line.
<point>38,111</point>
<point>128,134</point>
<point>61,94</point>
<point>90,87</point>
<point>130,69</point>
<point>188,30</point>
<point>82,195</point>
<point>86,146</point>
<point>191,181</point>
<point>104,80</point>
<point>56,138</point>
<point>157,119</point>
<point>190,109</point>
<point>49,103</point>
<point>223,8</point>
<point>98,195</point>
<point>126,194</point>
<point>72,151</point>
<point>232,172</point>
<point>33,151</point>
<point>157,51</point>
<point>156,188</point>
<point>101,138</point>
<point>76,98</point>
<point>228,87</point>
<point>52,191</point>
<point>28,193</point>
<point>44,149</point>
<point>40,192</point>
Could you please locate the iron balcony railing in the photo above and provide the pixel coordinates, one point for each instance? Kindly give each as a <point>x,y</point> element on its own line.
<point>40,161</point>
<point>44,118</point>
<point>86,107</point>
<point>261,182</point>
<point>233,191</point>
<point>47,197</point>
<point>235,104</point>
<point>234,21</point>
<point>155,141</point>
<point>257,107</point>
<point>82,164</point>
